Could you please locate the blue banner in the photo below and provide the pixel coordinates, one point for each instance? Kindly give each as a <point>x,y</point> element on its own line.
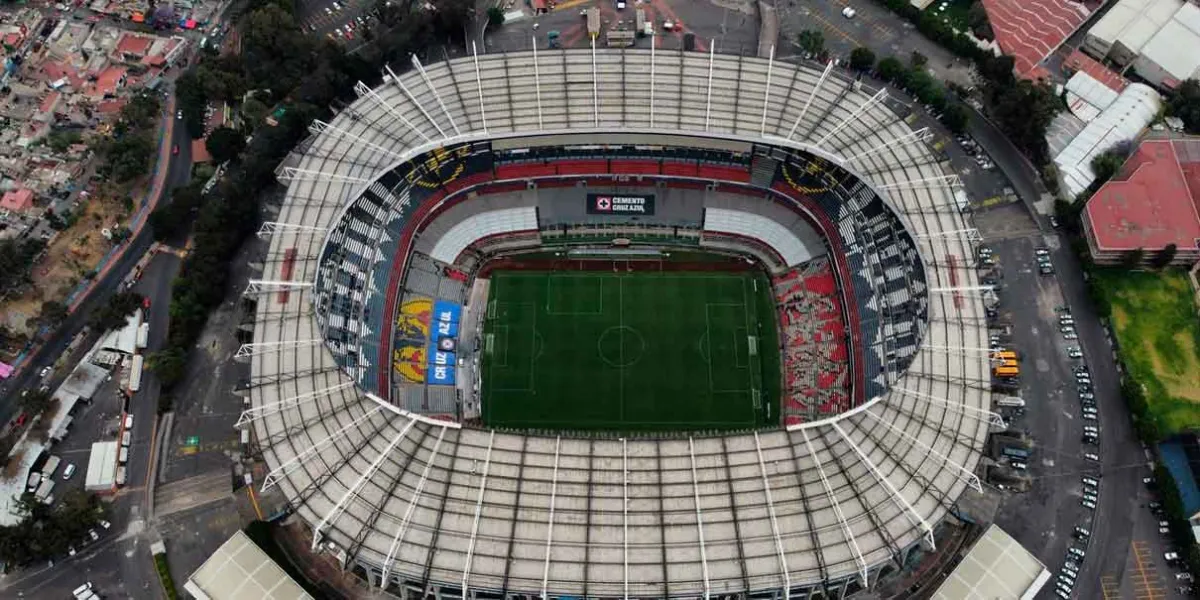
<point>446,311</point>
<point>447,329</point>
<point>441,368</point>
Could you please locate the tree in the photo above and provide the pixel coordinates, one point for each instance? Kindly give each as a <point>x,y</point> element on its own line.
<point>254,110</point>
<point>495,16</point>
<point>52,313</point>
<point>1185,104</point>
<point>997,69</point>
<point>16,260</point>
<point>35,402</point>
<point>917,60</point>
<point>1132,259</point>
<point>1164,257</point>
<point>169,364</point>
<point>862,59</point>
<point>1023,111</point>
<point>955,117</point>
<point>890,69</point>
<point>115,312</point>
<point>1106,164</point>
<point>811,41</point>
<point>224,144</point>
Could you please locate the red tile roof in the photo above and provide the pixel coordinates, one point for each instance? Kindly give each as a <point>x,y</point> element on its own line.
<point>48,103</point>
<point>1079,61</point>
<point>107,81</point>
<point>133,44</point>
<point>1029,30</point>
<point>17,200</point>
<point>1153,200</point>
<point>200,153</point>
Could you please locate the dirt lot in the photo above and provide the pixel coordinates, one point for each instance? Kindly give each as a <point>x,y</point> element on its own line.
<point>71,255</point>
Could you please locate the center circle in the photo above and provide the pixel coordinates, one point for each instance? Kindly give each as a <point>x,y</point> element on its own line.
<point>621,346</point>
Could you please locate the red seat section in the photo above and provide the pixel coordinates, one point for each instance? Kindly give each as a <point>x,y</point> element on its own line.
<point>816,357</point>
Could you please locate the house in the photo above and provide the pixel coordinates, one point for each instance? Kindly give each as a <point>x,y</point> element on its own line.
<point>1153,201</point>
<point>17,200</point>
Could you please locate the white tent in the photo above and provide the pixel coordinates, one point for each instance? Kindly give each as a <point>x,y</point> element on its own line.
<point>1122,121</point>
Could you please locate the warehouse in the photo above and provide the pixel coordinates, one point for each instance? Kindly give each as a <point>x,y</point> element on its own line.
<point>1173,54</point>
<point>1127,27</point>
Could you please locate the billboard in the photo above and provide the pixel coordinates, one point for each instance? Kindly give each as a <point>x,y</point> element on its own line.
<point>447,312</point>
<point>441,367</point>
<point>617,204</point>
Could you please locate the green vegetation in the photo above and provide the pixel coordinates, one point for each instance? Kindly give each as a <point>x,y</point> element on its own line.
<point>16,260</point>
<point>164,576</point>
<point>862,59</point>
<point>1159,335</point>
<point>811,41</point>
<point>128,152</point>
<point>1185,104</point>
<point>116,311</point>
<point>45,532</point>
<point>629,352</point>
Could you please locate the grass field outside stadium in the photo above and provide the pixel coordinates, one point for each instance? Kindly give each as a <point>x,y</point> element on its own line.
<point>630,351</point>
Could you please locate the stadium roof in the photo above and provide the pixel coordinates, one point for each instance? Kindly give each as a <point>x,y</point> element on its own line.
<point>1030,30</point>
<point>240,570</point>
<point>996,568</point>
<point>410,498</point>
<point>1152,202</point>
<point>1120,122</point>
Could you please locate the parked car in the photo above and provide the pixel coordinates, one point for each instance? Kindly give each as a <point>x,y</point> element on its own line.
<point>1092,456</point>
<point>1088,504</point>
<point>1082,532</point>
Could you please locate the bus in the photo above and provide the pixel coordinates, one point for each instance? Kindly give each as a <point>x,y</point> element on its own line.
<point>1005,355</point>
<point>1006,371</point>
<point>1010,402</point>
<point>135,373</point>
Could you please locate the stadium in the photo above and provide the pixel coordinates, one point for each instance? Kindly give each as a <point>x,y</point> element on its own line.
<point>597,323</point>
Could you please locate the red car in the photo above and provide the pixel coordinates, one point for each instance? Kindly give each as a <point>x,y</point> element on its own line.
<point>175,149</point>
<point>146,302</point>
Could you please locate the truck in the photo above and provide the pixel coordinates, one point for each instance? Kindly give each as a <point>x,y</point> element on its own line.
<point>135,373</point>
<point>44,489</point>
<point>143,336</point>
<point>1010,402</point>
<point>1014,452</point>
<point>50,467</point>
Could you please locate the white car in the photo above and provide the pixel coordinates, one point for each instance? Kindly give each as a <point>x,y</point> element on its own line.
<point>849,12</point>
<point>179,114</point>
<point>668,26</point>
<point>44,372</point>
<point>1088,504</point>
<point>92,534</point>
<point>1092,456</point>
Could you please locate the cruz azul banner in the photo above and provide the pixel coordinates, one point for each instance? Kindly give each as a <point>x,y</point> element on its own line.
<point>614,204</point>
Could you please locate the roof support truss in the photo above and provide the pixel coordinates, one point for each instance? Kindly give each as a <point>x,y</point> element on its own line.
<point>653,43</point>
<point>290,174</point>
<point>913,516</point>
<point>550,522</point>
<point>811,95</point>
<point>260,348</point>
<point>783,566</point>
<point>868,103</point>
<point>412,505</point>
<point>269,228</point>
<point>699,518</point>
<point>411,98</point>
<point>478,84</point>
<point>978,414</point>
<point>487,463</point>
<point>708,98</point>
<point>363,90</point>
<point>762,127</point>
<point>352,491</point>
<point>970,233</point>
<point>262,286</point>
<point>436,96</point>
<point>967,475</point>
<point>940,181</point>
<point>847,533</point>
<point>595,88</point>
<point>537,84</point>
<point>296,461</point>
<point>318,127</point>
<point>262,411</point>
<point>625,513</point>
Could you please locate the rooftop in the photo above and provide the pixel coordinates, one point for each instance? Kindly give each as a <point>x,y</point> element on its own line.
<point>17,200</point>
<point>996,568</point>
<point>1030,30</point>
<point>1152,202</point>
<point>240,570</point>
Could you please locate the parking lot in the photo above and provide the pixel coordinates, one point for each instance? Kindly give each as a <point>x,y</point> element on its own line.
<point>732,25</point>
<point>335,19</point>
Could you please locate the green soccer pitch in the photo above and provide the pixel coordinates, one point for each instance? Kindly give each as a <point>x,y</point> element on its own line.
<point>630,351</point>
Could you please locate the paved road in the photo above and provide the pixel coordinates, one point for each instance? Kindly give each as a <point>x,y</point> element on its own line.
<point>175,174</point>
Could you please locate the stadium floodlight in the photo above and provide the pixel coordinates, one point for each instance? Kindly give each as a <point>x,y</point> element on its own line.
<point>901,502</point>
<point>699,517</point>
<point>269,228</point>
<point>283,469</point>
<point>783,566</point>
<point>408,513</point>
<point>487,463</point>
<point>967,475</point>
<point>811,96</point>
<point>352,491</point>
<point>762,128</point>
<point>847,533</point>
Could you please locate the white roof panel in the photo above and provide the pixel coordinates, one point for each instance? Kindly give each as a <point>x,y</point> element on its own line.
<point>1133,110</point>
<point>1166,49</point>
